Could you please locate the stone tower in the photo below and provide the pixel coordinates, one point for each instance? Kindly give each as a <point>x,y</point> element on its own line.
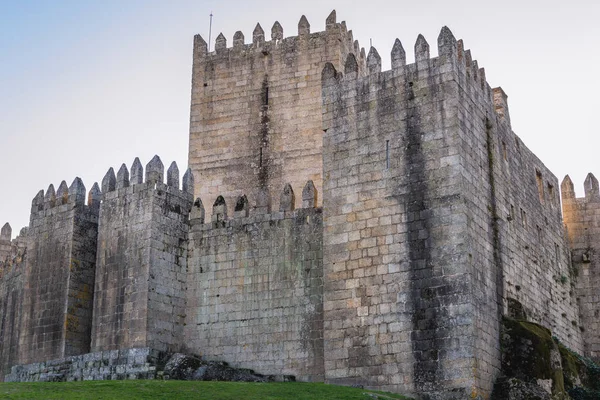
<point>423,250</point>
<point>56,313</point>
<point>140,285</point>
<point>256,111</point>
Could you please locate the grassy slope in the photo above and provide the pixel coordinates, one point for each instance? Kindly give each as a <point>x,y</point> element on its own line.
<point>133,390</point>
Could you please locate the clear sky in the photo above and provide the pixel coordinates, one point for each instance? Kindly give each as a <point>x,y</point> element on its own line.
<point>88,85</point>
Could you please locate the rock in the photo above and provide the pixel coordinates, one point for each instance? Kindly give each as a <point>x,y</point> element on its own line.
<point>181,367</point>
<point>219,371</point>
<point>516,389</point>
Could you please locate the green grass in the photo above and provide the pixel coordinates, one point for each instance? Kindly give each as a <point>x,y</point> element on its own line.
<point>132,390</point>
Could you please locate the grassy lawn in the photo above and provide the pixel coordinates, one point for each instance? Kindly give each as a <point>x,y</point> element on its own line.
<point>132,390</point>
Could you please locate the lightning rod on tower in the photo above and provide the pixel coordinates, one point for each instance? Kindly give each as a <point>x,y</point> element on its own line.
<point>210,31</point>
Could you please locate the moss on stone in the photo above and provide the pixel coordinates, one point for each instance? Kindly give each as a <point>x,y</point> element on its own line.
<point>530,354</point>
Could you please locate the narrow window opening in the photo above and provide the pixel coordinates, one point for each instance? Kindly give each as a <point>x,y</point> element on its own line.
<point>387,154</point>
<point>539,232</point>
<point>266,99</point>
<point>557,252</point>
<point>511,215</point>
<point>551,194</point>
<point>504,152</point>
<point>540,185</point>
<point>524,218</point>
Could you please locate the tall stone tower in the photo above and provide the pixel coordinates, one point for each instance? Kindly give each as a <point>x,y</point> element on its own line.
<point>256,111</point>
<point>423,250</point>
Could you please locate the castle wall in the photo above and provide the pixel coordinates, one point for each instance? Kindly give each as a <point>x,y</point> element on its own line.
<point>140,279</point>
<point>530,240</point>
<point>256,110</point>
<point>517,251</point>
<point>422,251</point>
<point>59,275</point>
<point>398,295</point>
<point>582,219</point>
<point>255,288</point>
<point>12,285</point>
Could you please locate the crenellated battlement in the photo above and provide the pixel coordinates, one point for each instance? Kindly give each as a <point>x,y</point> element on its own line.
<point>65,198</point>
<point>244,213</point>
<point>124,182</point>
<point>452,58</point>
<point>590,187</point>
<point>278,43</point>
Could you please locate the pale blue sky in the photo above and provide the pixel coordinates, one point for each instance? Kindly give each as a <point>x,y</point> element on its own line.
<point>89,85</point>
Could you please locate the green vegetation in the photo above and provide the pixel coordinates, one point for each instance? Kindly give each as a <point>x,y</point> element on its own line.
<point>132,390</point>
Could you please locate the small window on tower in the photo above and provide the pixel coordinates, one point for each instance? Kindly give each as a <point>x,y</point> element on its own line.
<point>540,185</point>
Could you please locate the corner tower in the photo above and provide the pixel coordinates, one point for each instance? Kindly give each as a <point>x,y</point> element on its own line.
<point>256,110</point>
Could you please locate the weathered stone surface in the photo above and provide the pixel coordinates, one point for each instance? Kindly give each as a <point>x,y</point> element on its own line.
<point>182,367</point>
<point>254,293</point>
<point>59,274</point>
<point>256,113</point>
<point>134,363</point>
<point>515,389</point>
<point>142,261</point>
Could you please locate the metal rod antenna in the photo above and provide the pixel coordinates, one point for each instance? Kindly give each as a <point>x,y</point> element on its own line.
<point>210,31</point>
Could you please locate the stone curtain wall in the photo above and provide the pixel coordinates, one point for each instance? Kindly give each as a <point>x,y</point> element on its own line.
<point>256,110</point>
<point>59,275</point>
<point>255,287</point>
<point>582,218</point>
<point>534,252</point>
<point>140,280</point>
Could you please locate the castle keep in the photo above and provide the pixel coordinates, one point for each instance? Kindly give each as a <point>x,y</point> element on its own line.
<point>337,223</point>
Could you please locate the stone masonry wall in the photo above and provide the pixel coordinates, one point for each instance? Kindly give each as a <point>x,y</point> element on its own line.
<point>533,249</point>
<point>140,279</point>
<point>255,287</point>
<point>136,363</point>
<point>582,219</point>
<point>517,250</point>
<point>12,284</point>
<point>427,149</point>
<point>59,275</point>
<point>398,298</point>
<point>256,110</point>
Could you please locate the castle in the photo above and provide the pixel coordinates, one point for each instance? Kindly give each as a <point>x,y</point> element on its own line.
<point>365,227</point>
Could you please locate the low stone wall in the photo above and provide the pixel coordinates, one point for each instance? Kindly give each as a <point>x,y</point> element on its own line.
<point>135,363</point>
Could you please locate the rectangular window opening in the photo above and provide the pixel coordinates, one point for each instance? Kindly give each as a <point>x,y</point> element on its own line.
<point>504,152</point>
